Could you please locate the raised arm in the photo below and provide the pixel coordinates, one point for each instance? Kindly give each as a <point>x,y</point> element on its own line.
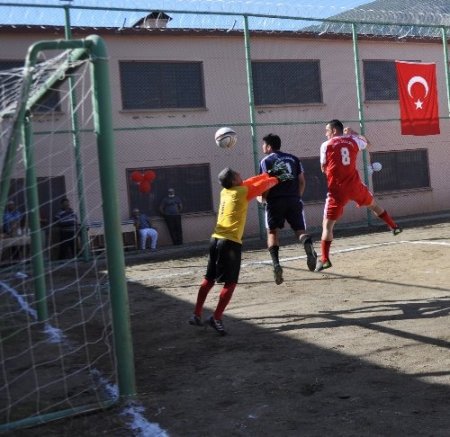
<point>349,131</point>
<point>259,184</point>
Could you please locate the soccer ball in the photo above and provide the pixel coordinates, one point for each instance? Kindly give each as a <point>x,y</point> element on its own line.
<point>225,137</point>
<point>376,166</point>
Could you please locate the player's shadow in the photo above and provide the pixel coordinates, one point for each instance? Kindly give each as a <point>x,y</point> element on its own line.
<point>396,311</point>
<point>267,377</point>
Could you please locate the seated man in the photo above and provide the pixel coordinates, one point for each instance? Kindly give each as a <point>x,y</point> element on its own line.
<point>144,227</point>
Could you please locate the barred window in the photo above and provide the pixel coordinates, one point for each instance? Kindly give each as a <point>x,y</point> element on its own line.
<point>380,80</point>
<point>158,85</point>
<point>192,183</point>
<point>402,170</point>
<point>286,82</point>
<point>48,103</point>
<point>51,189</point>
<point>316,184</point>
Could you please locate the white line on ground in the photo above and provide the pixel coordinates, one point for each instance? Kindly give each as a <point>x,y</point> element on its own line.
<point>352,249</point>
<point>189,271</point>
<point>133,411</point>
<point>431,243</point>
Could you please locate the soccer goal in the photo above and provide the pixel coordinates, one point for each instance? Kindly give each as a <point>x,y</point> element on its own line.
<point>65,340</point>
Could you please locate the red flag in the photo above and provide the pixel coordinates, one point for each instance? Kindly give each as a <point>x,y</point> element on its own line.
<point>418,98</point>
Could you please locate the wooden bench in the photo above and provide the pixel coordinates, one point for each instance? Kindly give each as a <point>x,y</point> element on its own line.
<point>7,245</point>
<point>96,234</point>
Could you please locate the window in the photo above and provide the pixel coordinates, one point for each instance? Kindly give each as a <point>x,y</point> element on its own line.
<point>402,170</point>
<point>48,103</point>
<point>50,192</point>
<point>286,82</point>
<point>156,85</point>
<point>191,182</point>
<point>316,183</point>
<point>380,80</point>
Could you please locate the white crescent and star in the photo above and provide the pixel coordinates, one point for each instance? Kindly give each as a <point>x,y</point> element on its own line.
<point>422,81</point>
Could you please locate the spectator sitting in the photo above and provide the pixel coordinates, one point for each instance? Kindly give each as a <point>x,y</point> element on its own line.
<point>67,222</point>
<point>11,220</point>
<point>144,227</point>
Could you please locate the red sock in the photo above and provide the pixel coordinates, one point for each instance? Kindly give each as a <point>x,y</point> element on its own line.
<point>325,246</point>
<point>225,297</point>
<point>205,287</point>
<point>387,219</point>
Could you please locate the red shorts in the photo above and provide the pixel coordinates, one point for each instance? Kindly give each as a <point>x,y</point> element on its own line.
<point>338,196</point>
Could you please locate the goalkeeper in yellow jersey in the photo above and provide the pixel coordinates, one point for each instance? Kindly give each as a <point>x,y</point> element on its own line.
<point>225,247</point>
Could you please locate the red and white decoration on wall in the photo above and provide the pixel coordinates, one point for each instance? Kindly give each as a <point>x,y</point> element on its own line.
<point>143,180</point>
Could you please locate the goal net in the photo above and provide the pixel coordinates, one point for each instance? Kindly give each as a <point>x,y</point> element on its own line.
<point>61,351</point>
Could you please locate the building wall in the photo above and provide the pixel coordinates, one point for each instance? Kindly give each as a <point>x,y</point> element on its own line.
<point>226,95</point>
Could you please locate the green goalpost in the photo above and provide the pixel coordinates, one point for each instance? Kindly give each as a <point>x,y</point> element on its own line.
<point>63,325</point>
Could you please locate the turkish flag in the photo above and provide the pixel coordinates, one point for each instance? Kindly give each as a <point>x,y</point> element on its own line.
<point>418,98</point>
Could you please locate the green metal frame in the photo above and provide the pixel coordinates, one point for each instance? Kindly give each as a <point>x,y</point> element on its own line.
<point>361,118</point>
<point>101,101</point>
<point>104,130</point>
<point>77,149</point>
<point>252,112</point>
<point>253,124</point>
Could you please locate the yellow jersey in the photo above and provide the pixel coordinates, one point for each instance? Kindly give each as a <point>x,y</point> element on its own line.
<point>233,206</point>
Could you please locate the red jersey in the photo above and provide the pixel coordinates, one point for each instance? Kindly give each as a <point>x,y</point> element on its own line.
<point>338,156</point>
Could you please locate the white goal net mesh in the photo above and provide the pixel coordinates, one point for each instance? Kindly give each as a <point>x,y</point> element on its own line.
<point>63,362</point>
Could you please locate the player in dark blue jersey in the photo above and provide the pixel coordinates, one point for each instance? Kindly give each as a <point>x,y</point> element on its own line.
<point>284,203</point>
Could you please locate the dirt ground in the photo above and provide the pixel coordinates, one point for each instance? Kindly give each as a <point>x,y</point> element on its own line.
<point>361,349</point>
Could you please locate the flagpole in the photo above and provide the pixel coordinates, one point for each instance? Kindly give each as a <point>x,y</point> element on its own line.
<point>447,81</point>
<point>360,109</point>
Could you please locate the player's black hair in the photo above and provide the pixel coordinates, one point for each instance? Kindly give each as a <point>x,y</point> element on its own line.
<point>336,124</point>
<point>273,141</point>
<point>226,177</point>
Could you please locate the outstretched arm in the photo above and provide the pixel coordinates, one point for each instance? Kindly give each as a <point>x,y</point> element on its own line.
<point>350,131</point>
<point>259,184</point>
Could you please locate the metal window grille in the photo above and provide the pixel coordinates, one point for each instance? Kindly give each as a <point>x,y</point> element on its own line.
<point>157,85</point>
<point>286,82</point>
<point>402,170</point>
<point>380,80</point>
<point>192,183</point>
<point>316,184</point>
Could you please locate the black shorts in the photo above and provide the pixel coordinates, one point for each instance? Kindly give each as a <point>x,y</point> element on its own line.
<point>224,263</point>
<point>283,209</point>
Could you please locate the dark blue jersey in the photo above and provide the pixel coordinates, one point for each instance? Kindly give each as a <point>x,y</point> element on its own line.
<point>66,219</point>
<point>143,222</point>
<point>287,188</point>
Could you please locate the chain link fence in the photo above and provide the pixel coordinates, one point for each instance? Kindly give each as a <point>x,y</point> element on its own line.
<point>179,74</point>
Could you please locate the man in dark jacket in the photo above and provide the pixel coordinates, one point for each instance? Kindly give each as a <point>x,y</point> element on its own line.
<point>171,208</point>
